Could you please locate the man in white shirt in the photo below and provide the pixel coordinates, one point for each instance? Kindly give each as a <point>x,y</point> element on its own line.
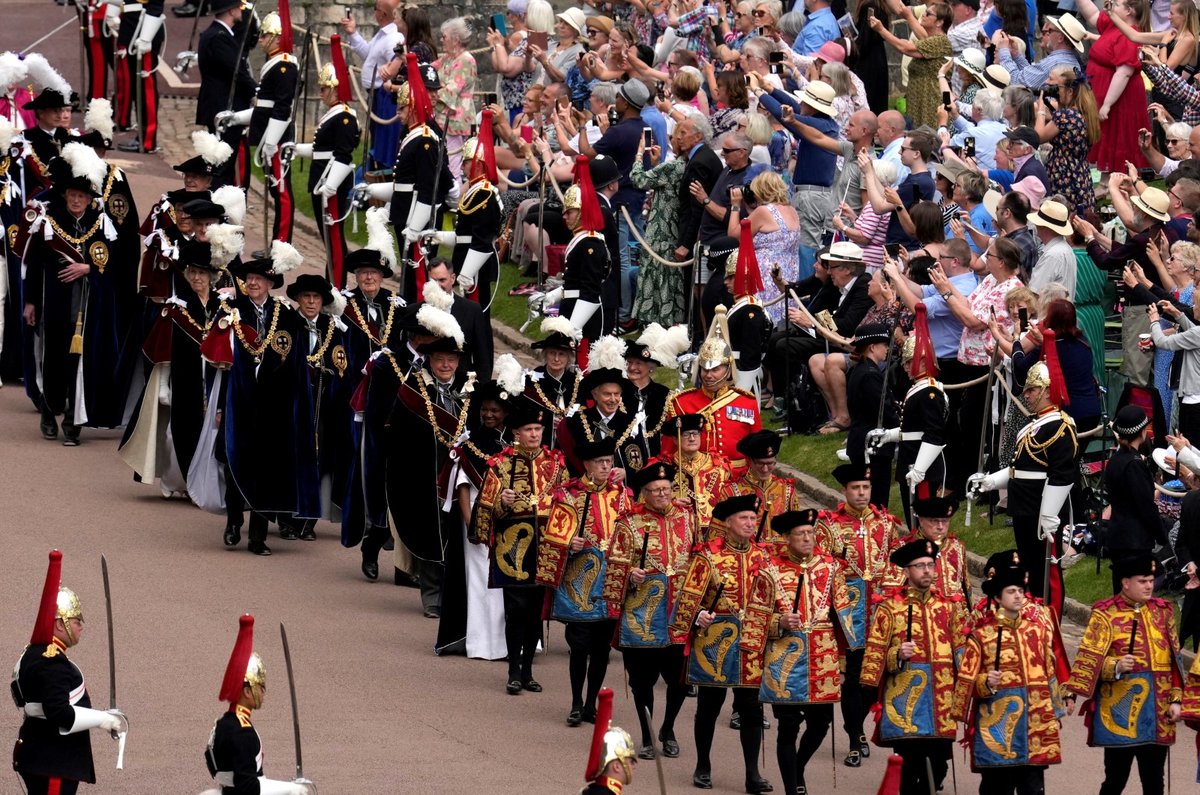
<point>890,138</point>
<point>1057,261</point>
<point>375,55</point>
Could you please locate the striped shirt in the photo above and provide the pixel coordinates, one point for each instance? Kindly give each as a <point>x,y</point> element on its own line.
<point>1037,74</point>
<point>1176,88</point>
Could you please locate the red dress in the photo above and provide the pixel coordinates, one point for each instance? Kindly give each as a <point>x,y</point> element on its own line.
<point>1118,136</point>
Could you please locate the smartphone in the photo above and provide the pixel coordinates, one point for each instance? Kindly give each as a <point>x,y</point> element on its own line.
<point>775,59</point>
<point>613,117</point>
<point>539,38</point>
<point>870,13</point>
<point>968,149</point>
<point>660,89</point>
<point>586,47</point>
<point>1147,174</point>
<point>527,133</point>
<point>946,100</point>
<point>762,31</point>
<point>499,24</point>
<point>747,79</point>
<point>1023,319</point>
<point>489,98</point>
<point>892,250</point>
<point>647,137</point>
<point>349,12</point>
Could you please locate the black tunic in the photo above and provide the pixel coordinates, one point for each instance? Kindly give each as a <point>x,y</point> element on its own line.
<point>585,267</point>
<point>221,66</point>
<point>1047,444</point>
<point>749,332</point>
<point>336,137</point>
<point>45,676</point>
<point>924,411</point>
<point>235,748</point>
<point>632,451</point>
<point>277,88</point>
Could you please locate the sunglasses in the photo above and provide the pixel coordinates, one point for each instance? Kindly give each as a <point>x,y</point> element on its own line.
<point>758,12</point>
<point>1174,140</point>
<point>727,149</point>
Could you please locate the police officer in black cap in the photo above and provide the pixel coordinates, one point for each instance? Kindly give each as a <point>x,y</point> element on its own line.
<point>1134,527</point>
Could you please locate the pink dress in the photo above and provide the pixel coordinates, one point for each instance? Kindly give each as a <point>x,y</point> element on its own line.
<point>1119,134</point>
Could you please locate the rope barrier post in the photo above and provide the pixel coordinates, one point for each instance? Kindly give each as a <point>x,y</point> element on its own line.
<point>543,169</point>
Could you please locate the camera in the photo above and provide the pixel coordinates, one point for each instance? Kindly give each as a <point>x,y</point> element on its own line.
<point>748,197</point>
<point>1050,91</point>
<point>489,98</point>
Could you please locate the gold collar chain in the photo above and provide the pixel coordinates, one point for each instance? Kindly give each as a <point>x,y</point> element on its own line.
<point>549,404</point>
<point>266,338</point>
<point>74,241</point>
<point>587,429</point>
<point>316,357</point>
<point>447,441</point>
<point>364,324</point>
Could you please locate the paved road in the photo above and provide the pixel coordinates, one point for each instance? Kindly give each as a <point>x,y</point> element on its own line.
<point>380,712</point>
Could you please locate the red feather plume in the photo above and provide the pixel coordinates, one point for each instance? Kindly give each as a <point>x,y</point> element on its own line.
<point>747,279</point>
<point>43,627</point>
<point>484,162</point>
<point>418,95</point>
<point>235,671</point>
<point>285,23</point>
<point>338,58</point>
<point>924,360</point>
<point>603,717</point>
<point>589,213</point>
<point>1058,387</point>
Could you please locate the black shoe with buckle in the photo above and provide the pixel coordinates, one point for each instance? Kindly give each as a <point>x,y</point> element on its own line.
<point>670,748</point>
<point>370,569</point>
<point>702,779</point>
<point>288,533</point>
<point>864,747</point>
<point>853,759</point>
<point>49,428</point>
<point>233,535</point>
<point>513,688</point>
<point>575,716</point>
<point>758,784</point>
<point>532,686</point>
<point>70,439</point>
<point>260,549</point>
<point>589,714</point>
<point>735,721</point>
<point>308,533</point>
<point>647,752</point>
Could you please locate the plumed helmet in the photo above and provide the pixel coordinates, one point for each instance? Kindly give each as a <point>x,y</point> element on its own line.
<point>256,672</point>
<point>715,350</point>
<point>1038,377</point>
<point>271,25</point>
<point>617,746</point>
<point>328,77</point>
<point>907,351</point>
<point>572,199</point>
<point>67,604</point>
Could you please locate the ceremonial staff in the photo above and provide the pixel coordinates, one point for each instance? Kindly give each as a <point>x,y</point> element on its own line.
<point>799,590</point>
<point>642,560</point>
<point>985,421</point>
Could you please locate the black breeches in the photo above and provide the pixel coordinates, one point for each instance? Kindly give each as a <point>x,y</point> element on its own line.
<point>708,708</point>
<point>588,643</point>
<point>645,666</point>
<point>856,699</point>
<point>792,759</point>
<point>522,628</point>
<point>914,775</point>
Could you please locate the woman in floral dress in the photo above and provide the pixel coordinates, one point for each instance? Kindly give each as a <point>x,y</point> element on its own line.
<point>456,72</point>
<point>1072,127</point>
<point>776,229</point>
<point>661,292</point>
<point>929,52</point>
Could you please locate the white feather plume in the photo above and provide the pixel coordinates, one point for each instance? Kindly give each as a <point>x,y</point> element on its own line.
<point>233,200</point>
<point>226,241</point>
<point>42,74</point>
<point>338,306</point>
<point>675,341</point>
<point>84,162</point>
<point>560,324</point>
<point>210,148</point>
<point>284,257</point>
<point>652,335</point>
<point>440,322</point>
<point>99,117</point>
<point>608,352</point>
<point>378,237</point>
<point>435,295</point>
<point>7,133</point>
<point>509,374</point>
<point>12,71</point>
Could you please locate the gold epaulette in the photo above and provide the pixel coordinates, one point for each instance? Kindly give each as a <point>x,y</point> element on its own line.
<point>476,198</point>
<point>51,651</point>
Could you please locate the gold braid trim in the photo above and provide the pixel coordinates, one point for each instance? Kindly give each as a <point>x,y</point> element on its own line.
<point>1035,448</point>
<point>482,188</point>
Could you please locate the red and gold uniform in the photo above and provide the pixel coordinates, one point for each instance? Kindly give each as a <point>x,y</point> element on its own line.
<point>916,694</point>
<point>950,577</point>
<point>721,577</point>
<point>700,479</point>
<point>1015,725</point>
<point>775,495</point>
<point>660,543</point>
<point>731,414</point>
<point>800,676</point>
<point>814,589</point>
<point>1129,709</point>
<point>512,535</point>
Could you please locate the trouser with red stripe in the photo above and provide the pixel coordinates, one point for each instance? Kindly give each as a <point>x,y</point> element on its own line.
<point>41,785</point>
<point>134,75</point>
<point>334,236</point>
<point>97,52</point>
<point>281,196</point>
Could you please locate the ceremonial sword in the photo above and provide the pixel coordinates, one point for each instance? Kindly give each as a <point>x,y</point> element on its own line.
<point>662,781</point>
<point>112,666</point>
<point>287,660</point>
